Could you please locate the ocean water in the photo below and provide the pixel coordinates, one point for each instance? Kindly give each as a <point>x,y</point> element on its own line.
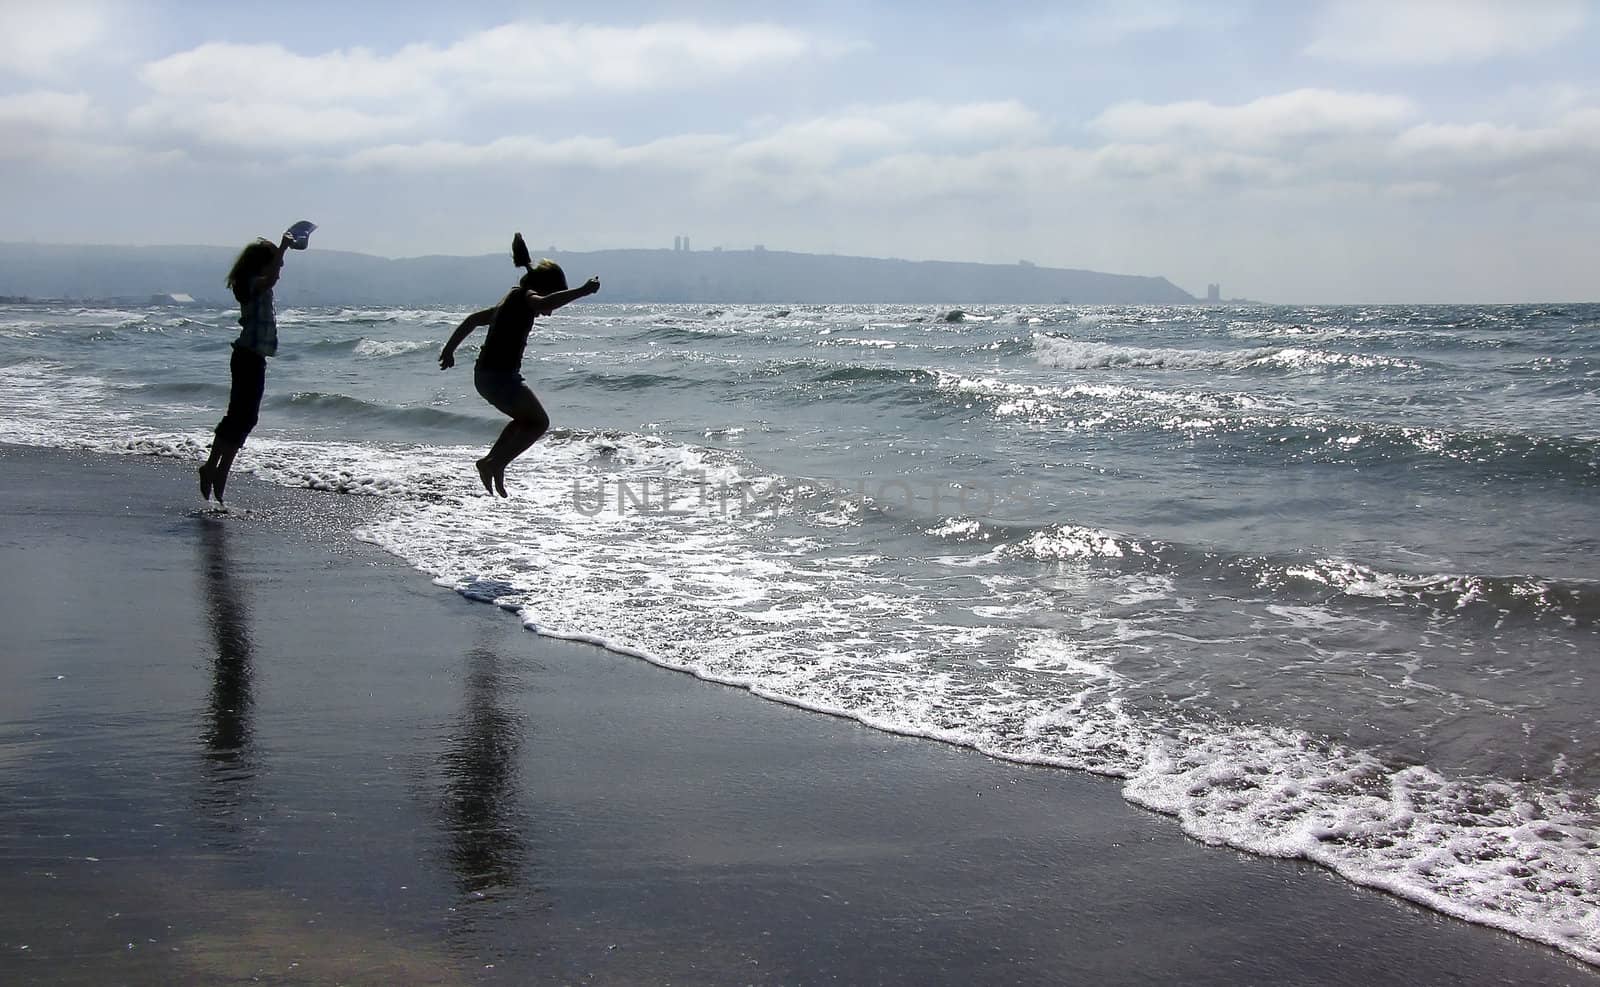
<point>1319,582</point>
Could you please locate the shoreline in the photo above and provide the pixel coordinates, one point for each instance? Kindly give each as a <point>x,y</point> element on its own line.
<point>272,744</point>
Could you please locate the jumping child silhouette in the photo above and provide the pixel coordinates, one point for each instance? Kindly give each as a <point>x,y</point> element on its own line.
<point>251,280</point>
<point>498,375</point>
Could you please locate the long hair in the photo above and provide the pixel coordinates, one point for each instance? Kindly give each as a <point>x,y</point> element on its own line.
<point>545,277</point>
<point>252,260</point>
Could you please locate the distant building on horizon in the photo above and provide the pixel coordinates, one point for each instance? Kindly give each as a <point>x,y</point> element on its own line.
<point>677,243</point>
<point>1213,294</point>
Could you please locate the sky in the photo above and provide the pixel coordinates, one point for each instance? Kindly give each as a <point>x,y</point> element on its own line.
<point>1352,151</point>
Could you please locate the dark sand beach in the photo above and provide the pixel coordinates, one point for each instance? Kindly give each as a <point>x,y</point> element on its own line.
<point>252,749</point>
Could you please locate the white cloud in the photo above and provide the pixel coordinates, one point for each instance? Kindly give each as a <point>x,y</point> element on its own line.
<point>922,151</point>
<point>1434,32</point>
<point>994,121</point>
<point>66,131</point>
<point>1182,166</point>
<point>1477,140</point>
<point>1299,115</point>
<point>819,143</point>
<point>35,38</point>
<point>889,127</point>
<point>256,94</point>
<point>1575,136</point>
<point>1111,22</point>
<point>884,176</point>
<point>810,145</point>
<point>674,153</point>
<point>868,156</point>
<point>1309,139</point>
<point>44,111</point>
<point>945,179</point>
<point>264,126</point>
<point>521,62</point>
<point>224,71</point>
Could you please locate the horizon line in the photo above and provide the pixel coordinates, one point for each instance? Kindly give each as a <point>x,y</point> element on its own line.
<point>761,248</point>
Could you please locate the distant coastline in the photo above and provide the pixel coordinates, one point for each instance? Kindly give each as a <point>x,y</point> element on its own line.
<point>146,275</point>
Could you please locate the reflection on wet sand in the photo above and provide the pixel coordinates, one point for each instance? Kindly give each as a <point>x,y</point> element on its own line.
<point>480,801</point>
<point>226,730</point>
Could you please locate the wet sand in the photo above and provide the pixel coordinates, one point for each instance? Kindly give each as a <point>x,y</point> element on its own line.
<point>252,748</point>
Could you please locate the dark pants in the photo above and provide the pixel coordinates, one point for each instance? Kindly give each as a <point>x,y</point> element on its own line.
<point>249,370</point>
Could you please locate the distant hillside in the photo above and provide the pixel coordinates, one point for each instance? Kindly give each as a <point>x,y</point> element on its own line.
<point>330,277</point>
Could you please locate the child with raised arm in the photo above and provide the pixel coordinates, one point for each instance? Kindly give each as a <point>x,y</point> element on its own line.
<point>251,280</point>
<point>498,376</point>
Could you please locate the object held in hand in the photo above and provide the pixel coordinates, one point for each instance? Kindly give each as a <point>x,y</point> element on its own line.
<point>300,234</point>
<point>519,252</point>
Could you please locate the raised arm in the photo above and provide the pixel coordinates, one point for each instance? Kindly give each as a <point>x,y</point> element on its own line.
<point>447,356</point>
<point>545,304</point>
<point>269,275</point>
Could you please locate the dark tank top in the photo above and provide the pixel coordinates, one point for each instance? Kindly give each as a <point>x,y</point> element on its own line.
<point>508,333</point>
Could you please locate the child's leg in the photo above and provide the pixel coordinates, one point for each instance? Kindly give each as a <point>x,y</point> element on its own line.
<point>528,432</point>
<point>531,422</point>
<point>492,468</point>
<point>501,452</point>
<point>490,465</point>
<point>249,372</point>
<point>219,473</point>
<point>520,436</point>
<point>528,423</point>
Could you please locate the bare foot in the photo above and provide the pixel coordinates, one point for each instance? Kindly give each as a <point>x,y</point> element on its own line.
<point>205,480</point>
<point>486,474</point>
<point>500,482</point>
<point>219,480</point>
